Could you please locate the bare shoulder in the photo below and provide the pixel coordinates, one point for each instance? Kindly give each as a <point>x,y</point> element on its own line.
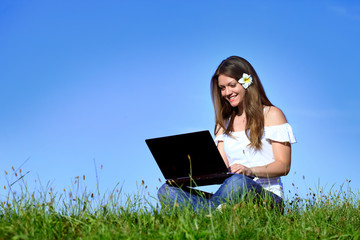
<point>274,116</point>
<point>219,130</point>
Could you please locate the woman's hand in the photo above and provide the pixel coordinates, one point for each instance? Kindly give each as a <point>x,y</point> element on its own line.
<point>241,169</point>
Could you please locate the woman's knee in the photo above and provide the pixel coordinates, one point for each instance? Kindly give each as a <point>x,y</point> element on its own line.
<point>167,191</point>
<point>163,191</point>
<point>237,179</point>
<point>241,182</point>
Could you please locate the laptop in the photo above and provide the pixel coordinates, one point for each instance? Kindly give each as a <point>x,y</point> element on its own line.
<point>190,159</point>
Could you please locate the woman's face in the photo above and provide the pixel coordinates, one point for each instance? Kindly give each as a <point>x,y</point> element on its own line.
<point>231,90</point>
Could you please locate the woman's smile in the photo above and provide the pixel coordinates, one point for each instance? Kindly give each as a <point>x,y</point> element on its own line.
<point>232,98</point>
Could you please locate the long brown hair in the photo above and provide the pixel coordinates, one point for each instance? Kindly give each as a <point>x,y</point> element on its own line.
<point>253,102</point>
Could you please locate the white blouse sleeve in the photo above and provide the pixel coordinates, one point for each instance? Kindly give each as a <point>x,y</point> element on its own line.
<point>280,133</point>
<point>219,138</point>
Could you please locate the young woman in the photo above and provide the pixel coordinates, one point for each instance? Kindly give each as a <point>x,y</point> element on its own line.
<point>252,135</point>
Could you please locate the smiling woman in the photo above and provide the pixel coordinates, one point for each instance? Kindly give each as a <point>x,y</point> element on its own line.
<point>253,138</point>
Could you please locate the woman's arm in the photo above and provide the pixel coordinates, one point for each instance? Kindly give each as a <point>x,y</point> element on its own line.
<point>281,165</point>
<point>281,151</point>
<point>220,147</point>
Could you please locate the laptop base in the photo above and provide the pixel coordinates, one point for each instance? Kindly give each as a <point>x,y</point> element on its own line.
<point>209,179</point>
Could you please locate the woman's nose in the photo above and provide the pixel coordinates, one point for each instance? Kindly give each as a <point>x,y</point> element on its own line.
<point>227,91</point>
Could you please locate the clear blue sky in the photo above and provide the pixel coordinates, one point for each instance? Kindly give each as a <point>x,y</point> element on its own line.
<point>85,80</point>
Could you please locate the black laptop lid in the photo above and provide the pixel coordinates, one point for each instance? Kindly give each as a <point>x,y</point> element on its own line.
<point>171,154</point>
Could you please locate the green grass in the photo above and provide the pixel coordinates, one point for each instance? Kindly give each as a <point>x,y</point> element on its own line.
<point>75,214</point>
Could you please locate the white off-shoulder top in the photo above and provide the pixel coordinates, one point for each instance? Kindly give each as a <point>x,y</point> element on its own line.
<point>237,151</point>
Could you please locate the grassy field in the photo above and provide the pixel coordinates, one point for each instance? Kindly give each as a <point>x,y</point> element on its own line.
<point>76,214</point>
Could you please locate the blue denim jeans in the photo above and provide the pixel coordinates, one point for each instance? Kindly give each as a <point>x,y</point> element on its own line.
<point>234,189</point>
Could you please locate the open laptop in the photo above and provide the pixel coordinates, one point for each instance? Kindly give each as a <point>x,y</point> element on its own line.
<point>191,154</point>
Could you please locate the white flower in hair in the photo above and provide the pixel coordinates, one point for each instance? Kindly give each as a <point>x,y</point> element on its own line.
<point>246,80</point>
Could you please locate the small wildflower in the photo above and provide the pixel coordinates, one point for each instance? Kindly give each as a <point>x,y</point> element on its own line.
<point>304,177</point>
<point>5,172</point>
<point>15,174</point>
<point>236,206</point>
<point>12,167</point>
<point>84,177</point>
<point>4,187</point>
<point>20,170</point>
<point>92,195</point>
<point>101,167</point>
<point>77,177</point>
<point>142,182</point>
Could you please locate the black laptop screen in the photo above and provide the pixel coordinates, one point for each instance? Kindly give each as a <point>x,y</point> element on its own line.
<point>175,154</point>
